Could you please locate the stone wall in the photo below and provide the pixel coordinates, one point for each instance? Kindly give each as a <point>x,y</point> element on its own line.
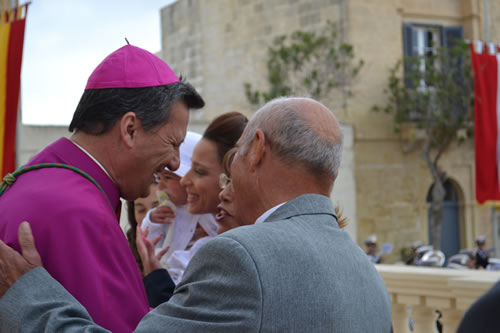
<point>32,139</point>
<point>493,20</point>
<point>219,45</point>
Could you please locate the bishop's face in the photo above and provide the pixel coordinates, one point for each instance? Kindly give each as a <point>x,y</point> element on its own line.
<point>154,150</point>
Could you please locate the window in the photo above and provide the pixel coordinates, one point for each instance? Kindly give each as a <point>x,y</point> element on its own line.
<point>427,40</point>
<point>424,39</point>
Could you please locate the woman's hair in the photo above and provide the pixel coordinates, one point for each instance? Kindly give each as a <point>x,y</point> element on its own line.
<point>224,131</point>
<point>131,233</point>
<point>228,160</point>
<point>341,220</point>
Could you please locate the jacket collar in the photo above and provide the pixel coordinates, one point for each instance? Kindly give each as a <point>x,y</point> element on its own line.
<point>306,204</point>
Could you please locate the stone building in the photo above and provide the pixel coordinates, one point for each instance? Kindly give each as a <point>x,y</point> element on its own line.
<point>219,45</point>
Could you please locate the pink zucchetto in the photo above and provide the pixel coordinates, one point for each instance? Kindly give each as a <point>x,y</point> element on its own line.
<point>131,67</point>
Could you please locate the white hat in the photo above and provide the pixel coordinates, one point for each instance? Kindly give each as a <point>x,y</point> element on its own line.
<point>415,245</point>
<point>371,240</point>
<point>424,249</point>
<point>480,239</point>
<point>186,152</point>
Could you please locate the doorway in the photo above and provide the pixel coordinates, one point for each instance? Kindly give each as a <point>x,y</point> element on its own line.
<point>450,225</point>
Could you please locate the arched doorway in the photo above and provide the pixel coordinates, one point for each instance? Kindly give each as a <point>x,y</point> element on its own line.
<point>450,227</point>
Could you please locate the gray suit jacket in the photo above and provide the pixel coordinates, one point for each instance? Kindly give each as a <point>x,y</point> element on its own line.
<point>297,272</point>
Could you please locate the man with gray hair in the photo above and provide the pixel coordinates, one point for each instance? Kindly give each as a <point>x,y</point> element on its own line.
<point>292,270</point>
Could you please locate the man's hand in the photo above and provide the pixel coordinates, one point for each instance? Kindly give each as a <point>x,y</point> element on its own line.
<point>146,249</point>
<point>12,264</point>
<point>163,215</point>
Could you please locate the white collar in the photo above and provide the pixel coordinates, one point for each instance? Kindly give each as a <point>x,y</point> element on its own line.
<point>264,216</point>
<point>95,160</point>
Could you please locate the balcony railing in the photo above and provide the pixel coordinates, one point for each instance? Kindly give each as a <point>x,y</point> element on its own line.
<point>417,292</point>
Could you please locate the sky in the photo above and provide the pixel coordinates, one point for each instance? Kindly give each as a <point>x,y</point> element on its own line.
<point>65,40</point>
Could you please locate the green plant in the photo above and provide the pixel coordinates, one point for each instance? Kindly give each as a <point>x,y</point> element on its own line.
<point>308,63</point>
<point>406,254</point>
<point>437,97</point>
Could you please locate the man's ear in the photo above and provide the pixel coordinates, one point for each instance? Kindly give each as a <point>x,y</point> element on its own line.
<point>129,124</point>
<point>257,149</point>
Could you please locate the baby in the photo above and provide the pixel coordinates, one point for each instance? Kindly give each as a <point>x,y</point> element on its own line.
<point>183,233</point>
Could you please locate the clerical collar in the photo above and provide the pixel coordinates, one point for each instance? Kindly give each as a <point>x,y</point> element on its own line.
<point>264,216</point>
<point>94,159</point>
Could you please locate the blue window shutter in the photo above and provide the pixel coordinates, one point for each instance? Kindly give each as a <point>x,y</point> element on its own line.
<point>409,41</point>
<point>450,35</point>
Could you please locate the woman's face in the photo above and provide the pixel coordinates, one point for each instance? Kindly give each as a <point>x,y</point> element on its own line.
<point>202,180</point>
<point>225,210</point>
<point>143,205</point>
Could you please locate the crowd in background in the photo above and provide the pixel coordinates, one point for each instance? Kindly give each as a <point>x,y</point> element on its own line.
<point>425,255</point>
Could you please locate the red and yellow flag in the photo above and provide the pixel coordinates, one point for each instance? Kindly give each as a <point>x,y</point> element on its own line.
<point>12,23</point>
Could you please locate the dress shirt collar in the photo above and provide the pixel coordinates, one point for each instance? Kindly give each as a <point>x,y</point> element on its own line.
<point>264,216</point>
<point>94,159</point>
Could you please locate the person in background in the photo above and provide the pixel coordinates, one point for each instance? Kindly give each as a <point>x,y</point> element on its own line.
<point>136,210</point>
<point>415,256</point>
<point>471,261</point>
<point>482,254</point>
<point>466,259</point>
<point>372,248</point>
<point>141,206</point>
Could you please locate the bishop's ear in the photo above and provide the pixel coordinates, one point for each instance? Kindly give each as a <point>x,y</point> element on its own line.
<point>128,126</point>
